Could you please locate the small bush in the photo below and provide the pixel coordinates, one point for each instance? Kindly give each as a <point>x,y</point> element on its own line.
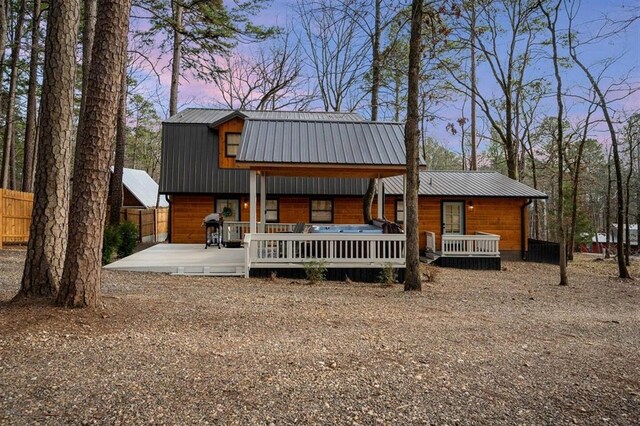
<point>128,238</point>
<point>315,271</point>
<point>110,243</point>
<point>388,275</point>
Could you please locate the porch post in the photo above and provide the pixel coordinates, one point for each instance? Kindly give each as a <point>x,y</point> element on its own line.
<point>252,201</point>
<point>263,201</point>
<point>380,199</point>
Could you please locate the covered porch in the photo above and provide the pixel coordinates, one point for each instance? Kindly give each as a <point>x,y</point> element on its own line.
<point>333,149</point>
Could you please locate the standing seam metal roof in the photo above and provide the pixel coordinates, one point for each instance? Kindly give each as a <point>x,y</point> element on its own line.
<point>466,184</point>
<point>322,142</point>
<point>211,115</point>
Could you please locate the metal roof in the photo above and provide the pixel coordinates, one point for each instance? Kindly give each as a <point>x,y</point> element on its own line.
<point>190,165</point>
<point>142,186</point>
<point>466,184</point>
<point>210,115</point>
<point>322,142</point>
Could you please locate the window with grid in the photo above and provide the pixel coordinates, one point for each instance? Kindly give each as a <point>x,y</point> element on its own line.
<point>271,213</point>
<point>399,211</point>
<point>232,142</point>
<point>321,211</point>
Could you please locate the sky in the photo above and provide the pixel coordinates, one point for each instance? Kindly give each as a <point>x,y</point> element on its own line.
<point>625,46</point>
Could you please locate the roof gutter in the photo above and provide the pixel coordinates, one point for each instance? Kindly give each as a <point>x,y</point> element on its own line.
<point>523,229</point>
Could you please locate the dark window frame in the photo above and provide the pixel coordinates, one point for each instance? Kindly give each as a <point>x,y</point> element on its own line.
<point>333,204</point>
<point>226,144</point>
<point>395,212</point>
<point>226,198</point>
<point>277,210</point>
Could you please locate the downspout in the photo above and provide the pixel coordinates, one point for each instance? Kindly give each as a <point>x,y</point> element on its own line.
<point>523,229</point>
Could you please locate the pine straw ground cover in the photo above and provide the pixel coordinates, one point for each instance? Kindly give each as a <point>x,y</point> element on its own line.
<point>507,347</point>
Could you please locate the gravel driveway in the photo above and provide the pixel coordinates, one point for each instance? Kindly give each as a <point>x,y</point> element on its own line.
<point>475,347</point>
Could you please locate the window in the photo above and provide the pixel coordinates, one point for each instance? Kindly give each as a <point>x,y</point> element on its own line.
<point>399,211</point>
<point>232,142</point>
<point>230,209</point>
<point>271,213</point>
<point>321,211</point>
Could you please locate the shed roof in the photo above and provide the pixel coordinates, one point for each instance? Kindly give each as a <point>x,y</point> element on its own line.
<point>314,143</point>
<point>212,115</point>
<point>142,186</point>
<point>466,184</point>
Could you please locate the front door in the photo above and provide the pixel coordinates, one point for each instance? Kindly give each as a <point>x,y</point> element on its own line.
<point>453,217</point>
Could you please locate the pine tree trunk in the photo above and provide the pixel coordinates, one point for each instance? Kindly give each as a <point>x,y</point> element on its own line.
<point>48,233</point>
<point>413,276</point>
<point>88,35</point>
<point>176,59</point>
<point>3,43</point>
<point>8,164</point>
<point>28,163</point>
<point>118,164</point>
<point>80,285</point>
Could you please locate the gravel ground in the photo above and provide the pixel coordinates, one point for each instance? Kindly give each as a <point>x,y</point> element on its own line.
<point>507,347</point>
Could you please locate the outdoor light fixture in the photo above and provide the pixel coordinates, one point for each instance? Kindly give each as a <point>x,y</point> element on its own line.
<point>245,205</point>
<point>470,205</point>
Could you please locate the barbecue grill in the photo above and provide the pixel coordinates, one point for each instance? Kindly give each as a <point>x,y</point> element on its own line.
<point>213,230</point>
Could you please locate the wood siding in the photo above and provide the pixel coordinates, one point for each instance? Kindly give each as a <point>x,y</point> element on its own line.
<point>232,126</point>
<point>499,216</point>
<point>187,212</point>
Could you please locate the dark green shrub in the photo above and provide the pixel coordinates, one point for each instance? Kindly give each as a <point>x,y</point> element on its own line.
<point>128,238</point>
<point>110,243</point>
<point>315,270</point>
<point>388,275</point>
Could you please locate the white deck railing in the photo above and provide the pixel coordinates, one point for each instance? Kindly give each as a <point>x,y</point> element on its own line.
<point>337,250</point>
<point>479,245</point>
<point>236,230</point>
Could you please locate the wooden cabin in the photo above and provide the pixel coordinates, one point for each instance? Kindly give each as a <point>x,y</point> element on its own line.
<point>460,212</point>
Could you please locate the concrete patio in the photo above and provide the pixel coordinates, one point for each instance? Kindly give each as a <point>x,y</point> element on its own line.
<point>186,259</point>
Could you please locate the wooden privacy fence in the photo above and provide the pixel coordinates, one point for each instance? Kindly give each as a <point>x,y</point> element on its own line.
<point>15,216</point>
<point>153,224</point>
<point>15,219</point>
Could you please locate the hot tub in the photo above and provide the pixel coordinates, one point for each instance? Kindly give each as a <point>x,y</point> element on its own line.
<point>345,229</point>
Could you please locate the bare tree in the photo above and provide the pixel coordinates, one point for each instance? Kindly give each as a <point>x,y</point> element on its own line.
<point>270,79</point>
<point>115,183</point>
<point>551,20</point>
<point>603,104</point>
<point>505,46</point>
<point>48,233</point>
<point>30,137</point>
<point>632,135</point>
<point>413,275</point>
<point>8,164</point>
<point>337,51</point>
<point>80,285</point>
<point>575,191</point>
